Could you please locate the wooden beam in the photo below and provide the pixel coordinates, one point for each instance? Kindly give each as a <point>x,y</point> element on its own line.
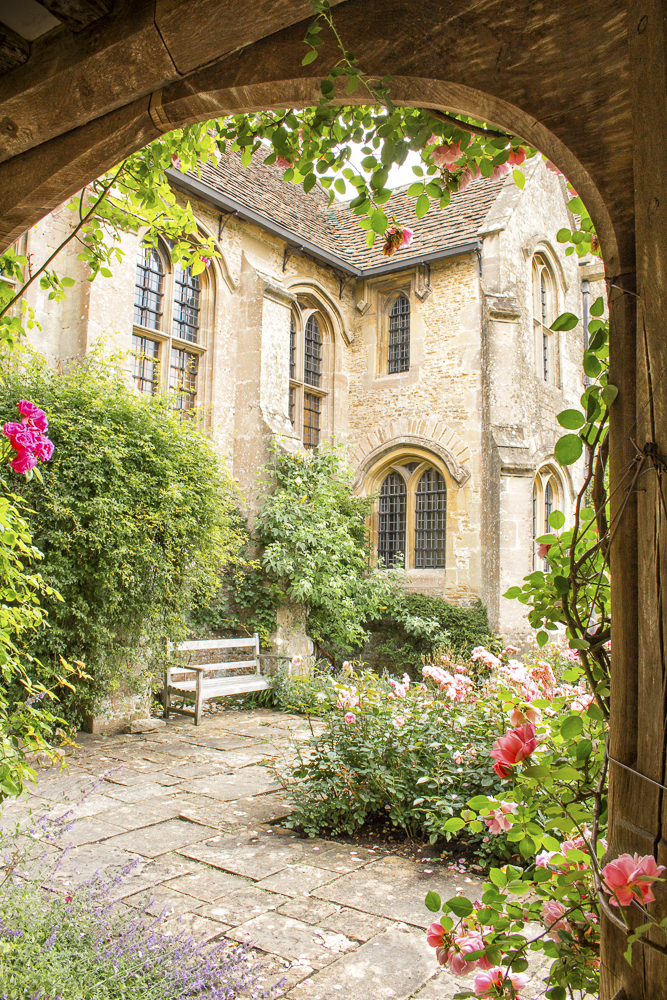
<point>639,553</point>
<point>14,50</point>
<point>77,14</point>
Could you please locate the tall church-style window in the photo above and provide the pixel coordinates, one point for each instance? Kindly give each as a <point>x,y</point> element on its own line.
<point>187,287</point>
<point>312,369</point>
<point>148,290</point>
<point>167,348</point>
<point>392,520</point>
<point>544,313</point>
<point>547,497</point>
<point>430,520</point>
<point>307,389</point>
<point>399,336</point>
<point>411,517</point>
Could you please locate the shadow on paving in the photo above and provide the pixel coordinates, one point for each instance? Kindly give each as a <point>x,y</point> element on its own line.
<point>200,814</point>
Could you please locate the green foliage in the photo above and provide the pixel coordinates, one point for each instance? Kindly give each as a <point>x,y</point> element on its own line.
<point>135,514</point>
<point>245,603</point>
<point>75,942</point>
<point>421,624</point>
<point>316,546</point>
<point>406,753</point>
<point>27,723</point>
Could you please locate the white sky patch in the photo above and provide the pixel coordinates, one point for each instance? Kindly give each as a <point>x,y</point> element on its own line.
<point>398,175</point>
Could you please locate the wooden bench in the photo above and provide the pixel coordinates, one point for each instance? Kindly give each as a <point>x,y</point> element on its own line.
<point>196,686</point>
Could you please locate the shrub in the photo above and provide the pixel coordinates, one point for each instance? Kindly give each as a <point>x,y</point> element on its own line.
<point>401,645</point>
<point>391,749</point>
<point>80,942</point>
<point>135,514</point>
<point>316,546</point>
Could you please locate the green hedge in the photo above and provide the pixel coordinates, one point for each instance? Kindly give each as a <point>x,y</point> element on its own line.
<point>396,649</point>
<point>135,516</point>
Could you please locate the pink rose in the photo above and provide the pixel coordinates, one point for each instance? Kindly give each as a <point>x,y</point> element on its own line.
<point>350,717</point>
<point>621,878</point>
<point>283,162</point>
<point>517,156</point>
<point>435,934</point>
<point>44,449</point>
<point>489,981</point>
<point>544,857</point>
<point>650,873</point>
<point>543,550</point>
<point>443,156</point>
<point>464,945</point>
<point>497,822</point>
<point>433,140</point>
<point>513,747</point>
<point>175,162</point>
<point>24,461</point>
<point>552,914</point>
<point>33,412</point>
<point>407,237</point>
<point>500,171</point>
<point>206,261</point>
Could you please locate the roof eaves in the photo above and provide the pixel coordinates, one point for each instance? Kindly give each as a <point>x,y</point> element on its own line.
<point>221,200</point>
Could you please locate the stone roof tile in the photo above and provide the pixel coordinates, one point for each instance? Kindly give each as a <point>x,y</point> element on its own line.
<point>333,228</point>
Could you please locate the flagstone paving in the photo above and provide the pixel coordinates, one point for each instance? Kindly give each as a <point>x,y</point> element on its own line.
<point>199,812</point>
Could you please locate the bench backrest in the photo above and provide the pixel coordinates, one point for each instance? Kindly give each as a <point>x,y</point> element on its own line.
<point>195,645</point>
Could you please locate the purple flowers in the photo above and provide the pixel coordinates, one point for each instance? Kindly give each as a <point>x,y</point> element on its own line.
<point>28,438</point>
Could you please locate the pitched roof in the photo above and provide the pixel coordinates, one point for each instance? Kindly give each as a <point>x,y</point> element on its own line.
<point>288,210</point>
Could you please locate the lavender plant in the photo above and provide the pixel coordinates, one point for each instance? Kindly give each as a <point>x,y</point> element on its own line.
<point>81,943</point>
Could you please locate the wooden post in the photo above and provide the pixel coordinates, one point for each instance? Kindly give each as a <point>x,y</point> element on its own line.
<point>639,549</point>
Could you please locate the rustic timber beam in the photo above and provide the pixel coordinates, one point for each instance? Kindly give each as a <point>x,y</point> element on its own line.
<point>14,50</point>
<point>77,14</point>
<point>141,46</point>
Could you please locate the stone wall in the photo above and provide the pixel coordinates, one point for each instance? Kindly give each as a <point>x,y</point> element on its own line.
<point>472,403</point>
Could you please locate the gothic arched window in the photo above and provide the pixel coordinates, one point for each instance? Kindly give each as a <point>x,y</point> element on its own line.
<point>169,298</point>
<point>187,288</point>
<point>547,497</point>
<point>430,520</point>
<point>544,313</point>
<point>411,514</point>
<point>399,336</point>
<point>307,390</point>
<point>149,289</point>
<point>392,520</point>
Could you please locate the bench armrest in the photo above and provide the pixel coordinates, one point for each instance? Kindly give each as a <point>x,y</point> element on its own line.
<point>180,670</point>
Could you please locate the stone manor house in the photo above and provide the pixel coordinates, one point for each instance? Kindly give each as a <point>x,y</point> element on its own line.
<point>437,365</point>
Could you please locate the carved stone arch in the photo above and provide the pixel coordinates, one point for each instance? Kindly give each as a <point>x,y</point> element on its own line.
<point>429,435</point>
<point>547,462</point>
<point>538,243</point>
<point>219,265</point>
<point>313,292</point>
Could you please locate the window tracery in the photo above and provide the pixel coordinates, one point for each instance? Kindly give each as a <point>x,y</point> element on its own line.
<point>544,313</point>
<point>308,377</point>
<point>168,337</point>
<point>399,335</point>
<point>411,518</point>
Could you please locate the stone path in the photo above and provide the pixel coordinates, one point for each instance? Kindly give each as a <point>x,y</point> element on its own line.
<point>201,815</point>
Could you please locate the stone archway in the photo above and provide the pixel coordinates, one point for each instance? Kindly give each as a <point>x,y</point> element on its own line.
<point>583,82</point>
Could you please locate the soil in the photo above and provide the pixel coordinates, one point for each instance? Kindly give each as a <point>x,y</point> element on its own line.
<point>384,839</point>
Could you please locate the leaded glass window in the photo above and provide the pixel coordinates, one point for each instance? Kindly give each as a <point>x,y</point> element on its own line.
<point>312,413</point>
<point>548,506</point>
<point>145,363</point>
<point>149,289</point>
<point>187,289</point>
<point>183,371</point>
<point>292,349</point>
<point>392,520</point>
<point>399,336</point>
<point>430,520</point>
<point>312,369</point>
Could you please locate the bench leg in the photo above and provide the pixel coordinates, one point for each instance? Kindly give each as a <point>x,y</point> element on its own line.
<point>198,698</point>
<point>165,696</point>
